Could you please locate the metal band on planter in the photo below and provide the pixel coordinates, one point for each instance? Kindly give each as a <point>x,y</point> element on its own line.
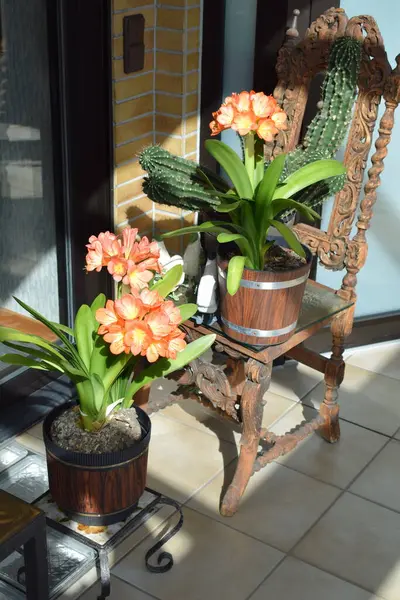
<point>262,333</point>
<point>268,285</point>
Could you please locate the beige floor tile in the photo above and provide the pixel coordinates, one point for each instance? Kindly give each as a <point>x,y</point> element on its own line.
<point>294,380</point>
<point>295,579</point>
<point>384,359</point>
<point>206,420</point>
<point>36,431</point>
<point>211,561</point>
<point>119,591</point>
<point>278,507</point>
<point>337,464</point>
<point>380,481</point>
<point>183,459</point>
<point>31,442</point>
<point>358,541</point>
<point>367,399</point>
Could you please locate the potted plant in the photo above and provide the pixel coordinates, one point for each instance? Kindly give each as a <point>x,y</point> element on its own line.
<point>97,447</point>
<point>261,280</point>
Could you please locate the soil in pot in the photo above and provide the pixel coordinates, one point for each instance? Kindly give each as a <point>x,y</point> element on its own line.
<point>120,432</point>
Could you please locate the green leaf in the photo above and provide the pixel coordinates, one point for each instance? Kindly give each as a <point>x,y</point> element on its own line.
<point>169,281</point>
<point>187,311</point>
<point>24,361</point>
<point>101,356</point>
<point>243,243</point>
<point>84,329</point>
<point>266,189</point>
<point>308,175</point>
<point>228,207</point>
<point>232,165</point>
<point>98,391</point>
<point>235,272</point>
<point>290,237</point>
<point>98,302</point>
<point>52,361</point>
<point>281,204</point>
<point>63,328</point>
<point>55,330</point>
<point>13,335</point>
<point>164,366</point>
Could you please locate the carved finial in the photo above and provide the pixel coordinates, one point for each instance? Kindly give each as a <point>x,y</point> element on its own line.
<point>292,32</point>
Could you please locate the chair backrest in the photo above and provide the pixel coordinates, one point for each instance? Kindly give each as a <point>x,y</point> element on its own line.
<point>298,63</point>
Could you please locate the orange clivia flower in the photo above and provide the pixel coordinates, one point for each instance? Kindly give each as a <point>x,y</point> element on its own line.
<point>129,307</point>
<point>94,257</point>
<point>137,277</point>
<point>175,343</point>
<point>117,267</point>
<point>107,317</point>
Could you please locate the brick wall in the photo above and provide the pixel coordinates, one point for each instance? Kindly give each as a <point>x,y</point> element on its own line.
<point>159,104</point>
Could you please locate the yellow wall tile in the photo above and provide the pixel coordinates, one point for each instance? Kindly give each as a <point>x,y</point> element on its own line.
<point>134,86</point>
<point>170,209</point>
<point>192,82</point>
<point>167,222</point>
<point>133,108</point>
<point>191,124</point>
<point>149,18</point>
<point>173,245</point>
<point>125,4</point>
<point>192,61</point>
<point>144,224</point>
<point>172,19</point>
<point>133,129</point>
<point>118,66</point>
<point>192,2</point>
<point>173,145</point>
<point>132,210</point>
<point>169,40</point>
<point>169,83</point>
<point>128,191</point>
<point>169,104</point>
<point>172,63</point>
<point>191,102</point>
<point>118,46</point>
<point>126,172</point>
<point>130,151</point>
<point>172,3</point>
<point>192,156</point>
<point>170,125</point>
<point>191,144</point>
<point>193,40</point>
<point>193,17</point>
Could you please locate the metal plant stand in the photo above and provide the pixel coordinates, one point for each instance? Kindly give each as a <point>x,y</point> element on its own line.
<point>73,549</point>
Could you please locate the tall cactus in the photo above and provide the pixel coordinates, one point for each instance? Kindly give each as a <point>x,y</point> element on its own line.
<point>327,131</point>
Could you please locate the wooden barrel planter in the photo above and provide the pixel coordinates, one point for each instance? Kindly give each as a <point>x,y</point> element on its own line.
<point>97,489</point>
<point>265,309</point>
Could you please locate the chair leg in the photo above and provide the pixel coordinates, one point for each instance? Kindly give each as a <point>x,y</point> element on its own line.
<point>258,378</point>
<point>334,374</point>
<point>36,566</point>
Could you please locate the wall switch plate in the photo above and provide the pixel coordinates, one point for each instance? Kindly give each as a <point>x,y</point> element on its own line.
<point>133,43</point>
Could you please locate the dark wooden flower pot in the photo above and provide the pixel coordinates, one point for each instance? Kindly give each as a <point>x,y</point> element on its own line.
<point>265,309</point>
<point>97,489</point>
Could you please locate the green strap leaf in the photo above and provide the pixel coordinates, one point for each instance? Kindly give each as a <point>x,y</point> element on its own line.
<point>281,204</point>
<point>228,207</point>
<point>63,328</point>
<point>187,311</point>
<point>266,189</point>
<point>164,366</point>
<point>84,329</point>
<point>169,281</point>
<point>24,361</point>
<point>98,302</point>
<point>235,272</point>
<point>232,165</point>
<point>7,334</point>
<point>289,236</point>
<point>308,175</point>
<point>98,391</point>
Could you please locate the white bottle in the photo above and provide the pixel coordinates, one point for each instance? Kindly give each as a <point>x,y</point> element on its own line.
<point>207,290</point>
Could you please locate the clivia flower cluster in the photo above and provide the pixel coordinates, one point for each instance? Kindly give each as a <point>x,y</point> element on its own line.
<point>129,260</point>
<point>250,112</point>
<point>140,322</point>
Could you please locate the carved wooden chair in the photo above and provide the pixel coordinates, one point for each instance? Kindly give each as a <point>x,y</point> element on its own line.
<point>237,387</point>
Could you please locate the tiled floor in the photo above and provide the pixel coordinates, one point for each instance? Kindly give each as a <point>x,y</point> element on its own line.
<point>320,523</point>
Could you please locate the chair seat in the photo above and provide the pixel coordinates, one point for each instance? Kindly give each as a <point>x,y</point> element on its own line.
<point>320,304</point>
<point>15,516</point>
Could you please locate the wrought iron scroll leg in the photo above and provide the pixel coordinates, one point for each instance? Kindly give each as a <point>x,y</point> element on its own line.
<point>258,377</point>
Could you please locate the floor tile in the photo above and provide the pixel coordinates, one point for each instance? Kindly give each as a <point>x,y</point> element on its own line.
<point>211,561</point>
<point>295,579</point>
<point>294,380</point>
<point>206,420</point>
<point>182,459</point>
<point>358,541</point>
<point>119,591</point>
<point>384,359</point>
<point>380,481</point>
<point>278,507</point>
<point>337,464</point>
<point>367,399</point>
<point>36,430</point>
